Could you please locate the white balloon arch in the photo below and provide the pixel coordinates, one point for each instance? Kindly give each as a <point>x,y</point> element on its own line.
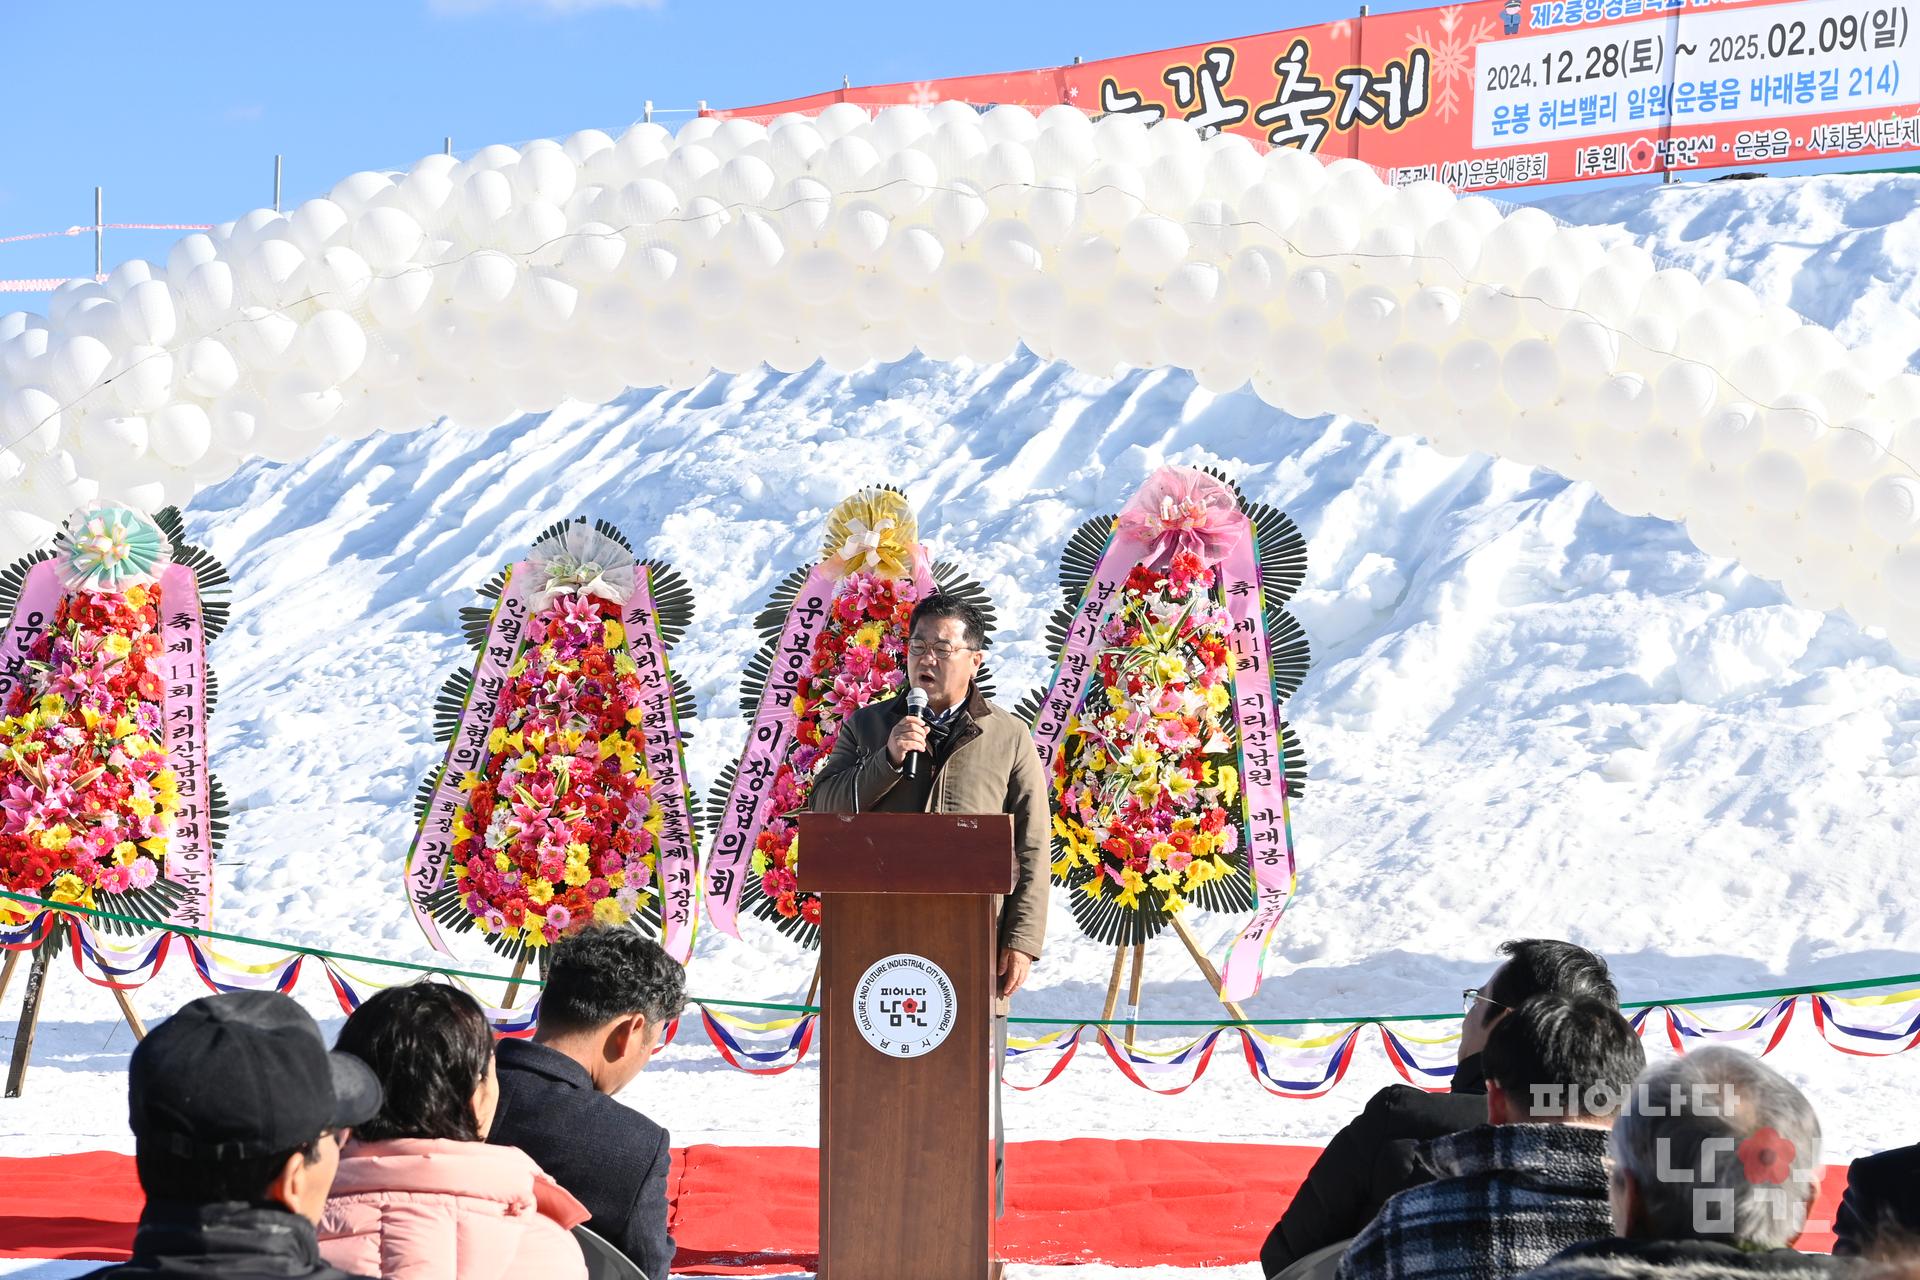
<point>517,278</point>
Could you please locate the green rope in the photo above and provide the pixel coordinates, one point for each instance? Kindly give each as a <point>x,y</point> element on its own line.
<point>1731,997</point>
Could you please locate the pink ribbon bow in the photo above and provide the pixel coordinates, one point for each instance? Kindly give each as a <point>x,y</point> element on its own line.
<point>1183,509</point>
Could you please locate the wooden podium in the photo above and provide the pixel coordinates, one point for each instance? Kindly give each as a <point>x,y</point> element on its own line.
<point>907,1076</point>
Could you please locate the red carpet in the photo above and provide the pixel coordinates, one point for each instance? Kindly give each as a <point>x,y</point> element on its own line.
<point>740,1210</point>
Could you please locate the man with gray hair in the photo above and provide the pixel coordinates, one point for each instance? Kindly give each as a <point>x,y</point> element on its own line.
<point>1716,1159</point>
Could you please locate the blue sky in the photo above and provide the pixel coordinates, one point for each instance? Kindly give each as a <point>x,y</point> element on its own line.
<point>177,110</point>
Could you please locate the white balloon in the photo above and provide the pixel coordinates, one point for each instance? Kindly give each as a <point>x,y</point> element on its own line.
<point>484,280</point>
<point>1733,437</point>
<point>1191,288</point>
<point>1684,392</point>
<point>187,254</point>
<point>1855,450</point>
<point>545,173</point>
<point>1833,510</point>
<point>1313,297</point>
<point>75,366</point>
<point>548,301</point>
<point>338,277</point>
<point>1471,372</point>
<point>821,275</point>
<point>148,314</point>
<point>1410,370</point>
<point>180,434</point>
<point>396,301</point>
<point>301,402</point>
<point>30,421</point>
<point>332,345</point>
<point>1530,373</point>
<point>1257,275</point>
<point>1373,317</point>
<point>1794,422</point>
<point>1777,481</point>
<point>262,337</point>
<point>971,291</point>
<point>904,181</point>
<point>1623,402</point>
<point>1113,195</point>
<point>915,255</point>
<point>144,381</point>
<point>1891,508</point>
<point>208,293</point>
<point>386,238</point>
<point>1433,315</point>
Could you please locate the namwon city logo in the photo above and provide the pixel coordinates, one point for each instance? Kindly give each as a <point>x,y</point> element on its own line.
<point>904,1005</point>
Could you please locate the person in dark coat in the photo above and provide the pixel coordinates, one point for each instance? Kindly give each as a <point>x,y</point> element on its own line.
<point>1882,1191</point>
<point>1510,1194</point>
<point>1372,1158</point>
<point>1715,1162</point>
<point>238,1112</point>
<point>610,994</point>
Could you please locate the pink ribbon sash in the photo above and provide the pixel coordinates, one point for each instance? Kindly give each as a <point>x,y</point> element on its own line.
<point>183,670</point>
<point>679,854</point>
<point>32,615</point>
<point>768,741</point>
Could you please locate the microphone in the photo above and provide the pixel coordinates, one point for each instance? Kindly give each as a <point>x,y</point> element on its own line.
<point>914,761</point>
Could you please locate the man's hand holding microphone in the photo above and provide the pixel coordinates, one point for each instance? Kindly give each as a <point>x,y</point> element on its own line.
<point>907,744</point>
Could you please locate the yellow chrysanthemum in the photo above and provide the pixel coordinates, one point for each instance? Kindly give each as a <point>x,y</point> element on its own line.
<point>117,646</point>
<point>68,887</point>
<point>1218,699</point>
<point>56,836</point>
<point>607,911</point>
<point>136,596</point>
<point>124,853</point>
<point>53,707</point>
<point>624,665</point>
<point>540,891</point>
<point>143,806</point>
<point>577,874</point>
<point>615,633</point>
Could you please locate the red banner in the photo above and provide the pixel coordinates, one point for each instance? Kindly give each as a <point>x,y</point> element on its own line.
<point>1509,93</point>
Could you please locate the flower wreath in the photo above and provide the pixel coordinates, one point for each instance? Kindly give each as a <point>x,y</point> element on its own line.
<point>90,776</point>
<point>563,823</point>
<point>876,572</point>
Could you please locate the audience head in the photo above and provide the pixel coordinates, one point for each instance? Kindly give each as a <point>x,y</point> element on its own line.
<point>432,1048</point>
<point>1534,966</point>
<point>235,1098</point>
<point>609,996</point>
<point>1561,1059</point>
<point>1715,1145</point>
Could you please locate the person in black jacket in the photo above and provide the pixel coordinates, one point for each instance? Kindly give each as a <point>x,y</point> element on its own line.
<point>1371,1159</point>
<point>1882,1191</point>
<point>610,993</point>
<point>238,1112</point>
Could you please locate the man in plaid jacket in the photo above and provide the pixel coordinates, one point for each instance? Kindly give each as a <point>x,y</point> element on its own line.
<point>1512,1193</point>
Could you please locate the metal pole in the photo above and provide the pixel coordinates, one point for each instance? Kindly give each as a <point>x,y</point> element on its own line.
<point>449,146</point>
<point>276,183</point>
<point>646,112</point>
<point>703,107</point>
<point>99,234</point>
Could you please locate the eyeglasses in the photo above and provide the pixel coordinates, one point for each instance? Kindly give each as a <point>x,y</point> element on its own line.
<point>1473,995</point>
<point>942,651</point>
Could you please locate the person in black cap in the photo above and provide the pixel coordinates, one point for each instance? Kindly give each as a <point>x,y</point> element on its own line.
<point>238,1112</point>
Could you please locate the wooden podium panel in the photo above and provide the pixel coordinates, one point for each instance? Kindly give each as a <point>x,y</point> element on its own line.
<point>906,1151</point>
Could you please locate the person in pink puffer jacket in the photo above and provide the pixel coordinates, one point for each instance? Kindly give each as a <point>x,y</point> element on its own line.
<point>420,1194</point>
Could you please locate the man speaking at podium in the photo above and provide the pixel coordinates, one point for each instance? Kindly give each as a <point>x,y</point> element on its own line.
<point>960,755</point>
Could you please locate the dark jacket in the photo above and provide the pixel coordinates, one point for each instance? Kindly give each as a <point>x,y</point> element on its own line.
<point>230,1241</point>
<point>1881,1189</point>
<point>612,1158</point>
<point>1370,1161</point>
<point>989,766</point>
<point>1504,1198</point>
<point>1617,1259</point>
